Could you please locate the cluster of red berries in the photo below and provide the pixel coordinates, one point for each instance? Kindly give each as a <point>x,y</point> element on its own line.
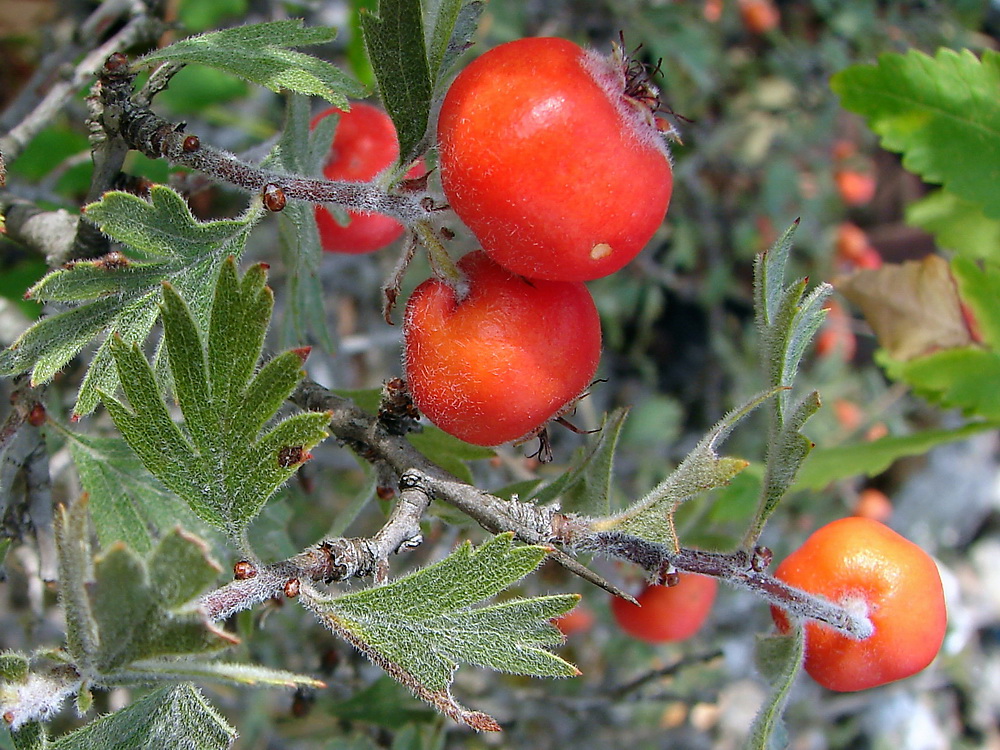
<point>553,157</point>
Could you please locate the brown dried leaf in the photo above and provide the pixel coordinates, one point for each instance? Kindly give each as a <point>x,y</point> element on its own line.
<point>913,307</point>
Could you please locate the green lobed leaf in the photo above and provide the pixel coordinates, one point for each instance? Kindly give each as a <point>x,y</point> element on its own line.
<point>148,610</point>
<point>226,462</point>
<point>176,716</point>
<point>395,42</point>
<point>652,517</point>
<point>826,465</point>
<point>127,503</point>
<point>964,378</point>
<point>787,318</point>
<point>450,29</point>
<point>118,296</point>
<point>260,53</point>
<point>779,659</point>
<point>586,489</point>
<point>421,627</point>
<point>958,225</point>
<point>942,113</point>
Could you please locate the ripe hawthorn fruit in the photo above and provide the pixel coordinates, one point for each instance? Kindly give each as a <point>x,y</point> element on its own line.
<point>553,158</point>
<point>667,613</point>
<point>365,143</point>
<point>496,363</point>
<point>866,567</point>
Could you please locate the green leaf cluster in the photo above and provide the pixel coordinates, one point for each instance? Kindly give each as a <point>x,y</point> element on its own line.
<point>419,628</point>
<point>121,608</point>
<point>118,295</point>
<point>940,112</point>
<point>130,620</point>
<point>943,115</point>
<point>224,460</point>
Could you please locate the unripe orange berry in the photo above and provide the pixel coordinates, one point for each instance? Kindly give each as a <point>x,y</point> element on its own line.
<point>869,569</point>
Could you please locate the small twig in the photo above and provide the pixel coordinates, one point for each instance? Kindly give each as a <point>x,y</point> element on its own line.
<point>127,116</point>
<point>743,569</point>
<point>616,693</point>
<point>329,561</point>
<point>14,142</point>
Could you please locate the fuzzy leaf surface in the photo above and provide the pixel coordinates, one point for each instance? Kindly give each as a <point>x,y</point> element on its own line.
<point>119,296</point>
<point>261,53</point>
<point>177,716</point>
<point>779,659</point>
<point>127,503</point>
<point>395,41</point>
<point>420,628</point>
<point>787,318</point>
<point>450,28</point>
<point>145,609</point>
<point>942,113</point>
<point>76,573</point>
<point>652,517</point>
<point>224,462</point>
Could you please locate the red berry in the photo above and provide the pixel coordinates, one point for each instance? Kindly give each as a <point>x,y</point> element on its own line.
<point>497,363</point>
<point>873,504</point>
<point>759,16</point>
<point>867,567</point>
<point>578,620</point>
<point>558,170</point>
<point>364,144</point>
<point>667,613</point>
<point>855,188</point>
